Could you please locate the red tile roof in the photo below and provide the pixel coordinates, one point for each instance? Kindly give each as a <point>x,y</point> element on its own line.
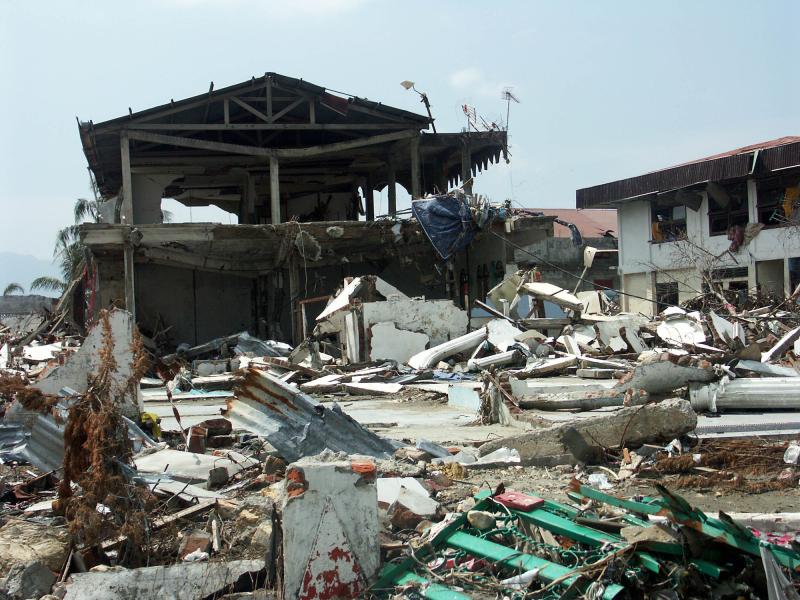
<point>591,222</point>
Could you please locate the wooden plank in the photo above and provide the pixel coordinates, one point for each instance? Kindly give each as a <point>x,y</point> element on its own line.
<point>251,110</point>
<point>376,113</point>
<point>287,109</point>
<point>312,110</point>
<point>186,142</point>
<point>159,523</point>
<point>226,107</point>
<point>348,145</point>
<point>127,187</point>
<point>182,107</point>
<point>313,126</point>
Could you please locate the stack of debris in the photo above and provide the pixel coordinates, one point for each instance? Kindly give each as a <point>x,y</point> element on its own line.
<point>242,465</point>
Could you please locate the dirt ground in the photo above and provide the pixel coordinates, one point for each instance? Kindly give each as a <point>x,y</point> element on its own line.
<point>551,483</point>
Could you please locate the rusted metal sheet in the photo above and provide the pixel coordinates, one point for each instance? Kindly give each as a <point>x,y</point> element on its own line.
<point>295,424</point>
<point>780,157</point>
<point>721,169</point>
<point>782,153</point>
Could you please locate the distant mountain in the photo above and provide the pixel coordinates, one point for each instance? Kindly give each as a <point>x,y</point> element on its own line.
<point>24,268</point>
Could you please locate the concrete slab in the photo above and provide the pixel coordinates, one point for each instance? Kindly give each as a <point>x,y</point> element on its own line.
<point>433,421</point>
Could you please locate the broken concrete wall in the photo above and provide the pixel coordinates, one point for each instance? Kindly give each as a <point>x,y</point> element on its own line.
<point>111,282</point>
<point>387,342</point>
<point>440,320</point>
<point>24,304</point>
<point>562,252</point>
<point>78,366</point>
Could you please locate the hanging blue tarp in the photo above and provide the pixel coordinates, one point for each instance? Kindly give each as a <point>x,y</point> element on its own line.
<point>447,222</point>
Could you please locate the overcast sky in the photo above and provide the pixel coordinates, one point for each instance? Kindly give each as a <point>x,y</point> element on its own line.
<point>607,89</point>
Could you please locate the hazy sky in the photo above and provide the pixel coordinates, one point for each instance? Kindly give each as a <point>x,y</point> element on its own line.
<point>608,89</point>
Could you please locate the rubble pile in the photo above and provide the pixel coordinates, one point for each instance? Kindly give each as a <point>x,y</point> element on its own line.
<point>404,449</point>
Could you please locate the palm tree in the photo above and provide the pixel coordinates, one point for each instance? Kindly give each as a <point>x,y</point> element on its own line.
<point>47,284</point>
<point>13,288</point>
<point>71,255</point>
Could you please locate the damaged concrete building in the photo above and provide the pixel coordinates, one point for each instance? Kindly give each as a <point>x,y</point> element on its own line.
<point>730,220</point>
<point>563,253</point>
<point>298,166</point>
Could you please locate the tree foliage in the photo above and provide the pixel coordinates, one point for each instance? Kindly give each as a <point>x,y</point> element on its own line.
<point>13,288</point>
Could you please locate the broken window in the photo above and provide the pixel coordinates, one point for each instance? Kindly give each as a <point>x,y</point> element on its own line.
<point>778,201</point>
<point>668,223</point>
<point>666,294</point>
<point>727,207</point>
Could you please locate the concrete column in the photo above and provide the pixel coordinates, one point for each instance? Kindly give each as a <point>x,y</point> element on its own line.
<point>440,177</point>
<point>274,190</point>
<point>416,183</point>
<point>369,199</point>
<point>466,167</point>
<point>129,274</point>
<point>391,189</point>
<point>148,190</point>
<point>247,205</point>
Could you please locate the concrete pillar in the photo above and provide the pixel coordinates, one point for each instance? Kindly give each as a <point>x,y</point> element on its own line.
<point>329,515</point>
<point>369,199</point>
<point>148,191</point>
<point>416,182</point>
<point>274,190</point>
<point>466,167</point>
<point>391,189</point>
<point>129,274</point>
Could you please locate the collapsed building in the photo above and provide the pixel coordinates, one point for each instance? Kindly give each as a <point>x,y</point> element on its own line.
<point>298,166</point>
<point>728,221</point>
<point>439,392</point>
<point>25,312</point>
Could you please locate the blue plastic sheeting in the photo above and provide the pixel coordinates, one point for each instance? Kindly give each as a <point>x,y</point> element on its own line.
<point>447,376</point>
<point>447,222</point>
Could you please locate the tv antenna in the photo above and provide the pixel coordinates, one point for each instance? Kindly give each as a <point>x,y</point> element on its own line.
<point>476,121</point>
<point>508,96</point>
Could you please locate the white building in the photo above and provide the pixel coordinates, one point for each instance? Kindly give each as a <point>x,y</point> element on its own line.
<point>731,218</point>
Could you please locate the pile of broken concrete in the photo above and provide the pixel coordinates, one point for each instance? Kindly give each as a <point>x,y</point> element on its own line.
<point>337,467</point>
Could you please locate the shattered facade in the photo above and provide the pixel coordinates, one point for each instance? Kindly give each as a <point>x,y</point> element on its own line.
<point>727,223</point>
<point>298,166</point>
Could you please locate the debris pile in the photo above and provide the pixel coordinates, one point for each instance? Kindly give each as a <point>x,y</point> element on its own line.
<point>356,463</point>
<point>514,545</point>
